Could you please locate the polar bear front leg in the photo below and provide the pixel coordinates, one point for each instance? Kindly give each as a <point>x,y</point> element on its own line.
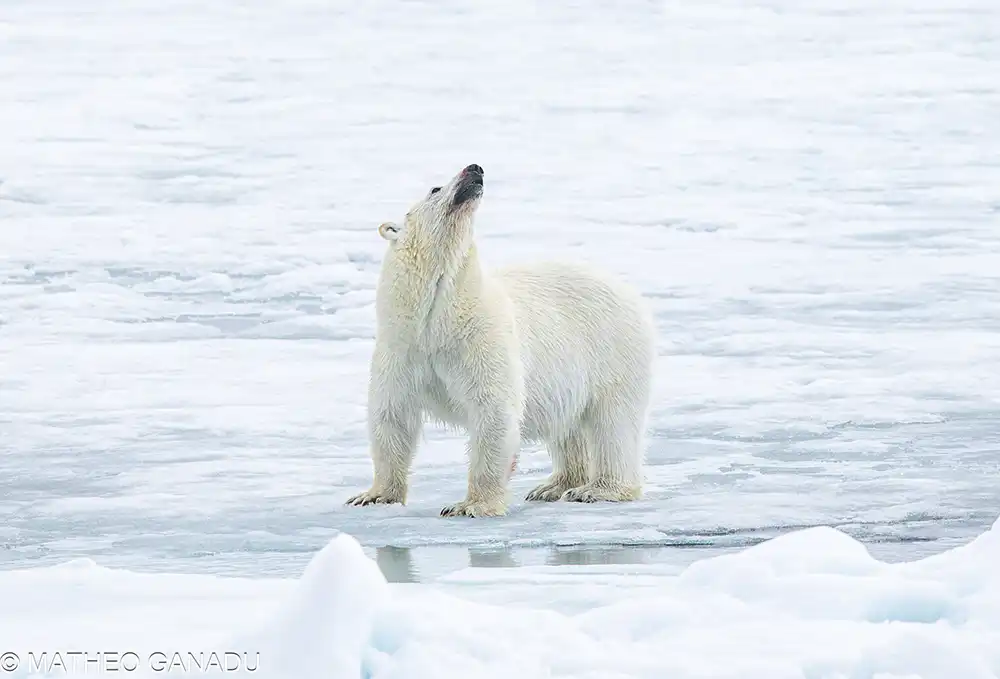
<point>494,438</point>
<point>393,435</point>
<point>394,424</point>
<point>484,376</point>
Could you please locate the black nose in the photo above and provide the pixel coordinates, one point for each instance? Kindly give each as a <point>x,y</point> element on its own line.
<point>474,168</point>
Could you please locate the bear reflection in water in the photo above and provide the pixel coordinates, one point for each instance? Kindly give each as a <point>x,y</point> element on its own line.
<point>421,564</point>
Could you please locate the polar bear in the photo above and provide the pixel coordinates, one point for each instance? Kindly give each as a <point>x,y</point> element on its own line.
<point>549,352</point>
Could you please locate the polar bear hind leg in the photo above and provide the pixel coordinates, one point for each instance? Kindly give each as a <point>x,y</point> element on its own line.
<point>614,422</point>
<point>570,466</point>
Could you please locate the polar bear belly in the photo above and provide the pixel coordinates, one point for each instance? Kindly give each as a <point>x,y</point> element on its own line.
<point>580,334</point>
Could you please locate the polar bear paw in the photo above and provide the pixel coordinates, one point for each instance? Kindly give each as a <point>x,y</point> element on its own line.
<point>376,497</point>
<point>475,509</point>
<point>550,490</point>
<point>602,492</point>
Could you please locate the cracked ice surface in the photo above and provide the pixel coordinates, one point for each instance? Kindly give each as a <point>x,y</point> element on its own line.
<point>808,196</point>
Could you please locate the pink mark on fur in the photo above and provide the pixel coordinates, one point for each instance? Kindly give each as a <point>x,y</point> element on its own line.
<point>513,466</point>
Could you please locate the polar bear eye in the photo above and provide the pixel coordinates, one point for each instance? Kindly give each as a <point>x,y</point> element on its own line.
<point>435,190</point>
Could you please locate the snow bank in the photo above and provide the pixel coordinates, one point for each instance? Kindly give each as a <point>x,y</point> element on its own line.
<point>808,605</point>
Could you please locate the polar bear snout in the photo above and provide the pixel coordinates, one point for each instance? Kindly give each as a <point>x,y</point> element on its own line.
<point>469,185</point>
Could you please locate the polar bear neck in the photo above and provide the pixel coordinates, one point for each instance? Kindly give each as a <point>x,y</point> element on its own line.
<point>417,299</point>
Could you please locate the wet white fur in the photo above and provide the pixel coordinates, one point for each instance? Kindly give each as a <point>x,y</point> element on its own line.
<point>548,352</point>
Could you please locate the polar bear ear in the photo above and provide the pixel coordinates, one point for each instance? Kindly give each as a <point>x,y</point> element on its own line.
<point>388,231</point>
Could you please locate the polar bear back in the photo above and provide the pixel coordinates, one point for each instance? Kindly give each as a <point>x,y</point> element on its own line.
<point>582,334</point>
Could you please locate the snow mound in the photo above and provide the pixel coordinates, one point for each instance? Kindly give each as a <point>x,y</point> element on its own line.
<point>323,627</point>
<point>808,605</point>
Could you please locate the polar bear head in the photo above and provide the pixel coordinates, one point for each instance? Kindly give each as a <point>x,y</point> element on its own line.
<point>443,218</point>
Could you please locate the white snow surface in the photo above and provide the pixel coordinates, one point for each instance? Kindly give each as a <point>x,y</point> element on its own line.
<point>811,604</point>
<point>807,193</point>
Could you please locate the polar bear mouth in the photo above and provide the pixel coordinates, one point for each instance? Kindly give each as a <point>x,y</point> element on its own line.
<point>469,185</point>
